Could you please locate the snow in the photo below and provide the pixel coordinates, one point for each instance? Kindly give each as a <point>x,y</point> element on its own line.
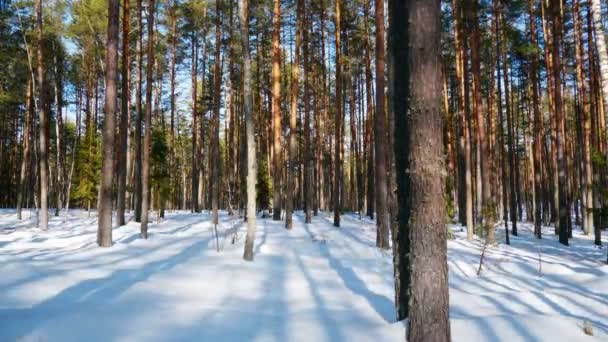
<point>313,283</point>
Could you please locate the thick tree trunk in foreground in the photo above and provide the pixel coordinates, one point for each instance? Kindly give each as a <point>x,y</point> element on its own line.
<point>104,229</point>
<point>145,197</point>
<point>44,127</point>
<point>251,148</point>
<point>415,39</point>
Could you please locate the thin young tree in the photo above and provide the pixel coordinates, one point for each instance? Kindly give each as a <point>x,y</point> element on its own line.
<point>415,30</point>
<point>251,146</point>
<point>104,229</point>
<point>145,197</point>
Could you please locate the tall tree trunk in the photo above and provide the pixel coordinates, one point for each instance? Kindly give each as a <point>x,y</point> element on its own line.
<point>369,117</point>
<point>148,126</point>
<point>602,52</point>
<point>172,162</point>
<point>251,146</point>
<point>382,218</point>
<point>466,186</point>
<point>104,230</point>
<point>415,37</point>
<point>59,149</point>
<point>337,124</point>
<point>510,129</point>
<point>559,118</point>
<point>583,103</point>
<point>195,160</point>
<point>276,110</point>
<point>27,132</point>
<point>138,108</point>
<point>291,171</point>
<point>216,124</point>
<point>501,135</point>
<point>124,117</point>
<point>44,125</point>
<point>488,209</point>
<point>536,155</point>
<point>307,165</point>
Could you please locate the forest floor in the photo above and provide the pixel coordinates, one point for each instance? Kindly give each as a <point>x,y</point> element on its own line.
<point>313,283</point>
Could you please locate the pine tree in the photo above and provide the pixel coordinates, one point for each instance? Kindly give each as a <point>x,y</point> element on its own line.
<point>104,231</point>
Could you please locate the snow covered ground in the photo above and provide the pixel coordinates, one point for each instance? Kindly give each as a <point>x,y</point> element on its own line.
<point>314,283</point>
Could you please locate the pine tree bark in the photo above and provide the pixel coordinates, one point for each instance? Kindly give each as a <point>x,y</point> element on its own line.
<point>415,39</point>
<point>145,198</point>
<point>251,145</point>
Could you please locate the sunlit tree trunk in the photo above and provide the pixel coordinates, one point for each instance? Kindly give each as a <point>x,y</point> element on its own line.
<point>251,145</point>
<point>415,40</point>
<point>276,110</point>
